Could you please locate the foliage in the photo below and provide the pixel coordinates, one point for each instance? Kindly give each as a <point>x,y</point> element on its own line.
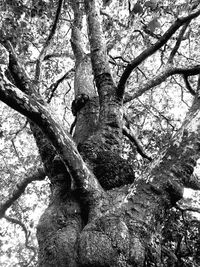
<point>130,27</point>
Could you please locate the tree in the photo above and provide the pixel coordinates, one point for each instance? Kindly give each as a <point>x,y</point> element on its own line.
<point>101,211</point>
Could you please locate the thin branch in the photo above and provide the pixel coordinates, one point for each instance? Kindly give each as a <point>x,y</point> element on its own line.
<point>156,36</point>
<point>192,70</point>
<point>188,86</point>
<point>38,175</point>
<point>55,85</point>
<point>59,55</point>
<point>157,111</point>
<point>48,41</point>
<point>151,50</point>
<point>20,130</point>
<point>119,57</point>
<point>178,42</point>
<point>16,152</point>
<point>128,133</point>
<point>26,233</point>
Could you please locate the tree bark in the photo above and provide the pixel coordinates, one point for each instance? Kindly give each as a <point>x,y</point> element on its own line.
<point>98,214</point>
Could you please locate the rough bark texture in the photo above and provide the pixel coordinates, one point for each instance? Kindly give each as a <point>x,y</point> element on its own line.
<point>98,215</point>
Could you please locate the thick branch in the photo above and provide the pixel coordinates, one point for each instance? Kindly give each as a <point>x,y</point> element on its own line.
<point>192,182</point>
<point>17,72</point>
<point>19,77</point>
<point>66,148</point>
<point>99,58</point>
<point>77,42</point>
<point>174,165</point>
<point>20,188</point>
<point>193,70</point>
<point>151,50</point>
<point>110,104</point>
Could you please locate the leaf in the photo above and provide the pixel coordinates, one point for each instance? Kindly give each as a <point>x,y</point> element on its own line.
<point>153,24</point>
<point>152,4</point>
<point>137,9</point>
<point>107,2</point>
<point>23,24</point>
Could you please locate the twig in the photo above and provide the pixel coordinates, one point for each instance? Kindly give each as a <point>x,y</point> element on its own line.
<point>16,152</point>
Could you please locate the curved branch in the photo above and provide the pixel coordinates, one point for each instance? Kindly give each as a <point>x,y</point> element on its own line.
<point>39,175</point>
<point>151,50</point>
<point>133,139</point>
<point>54,86</point>
<point>193,70</point>
<point>26,233</point>
<point>178,42</point>
<point>61,140</point>
<point>188,86</point>
<point>59,55</point>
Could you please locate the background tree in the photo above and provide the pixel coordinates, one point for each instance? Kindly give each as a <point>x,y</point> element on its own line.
<point>115,184</point>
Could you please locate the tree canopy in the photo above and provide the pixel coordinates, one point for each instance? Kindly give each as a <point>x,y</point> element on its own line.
<point>99,132</point>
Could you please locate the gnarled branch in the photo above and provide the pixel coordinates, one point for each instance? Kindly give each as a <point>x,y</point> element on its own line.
<point>151,50</point>
<point>59,138</point>
<point>190,71</point>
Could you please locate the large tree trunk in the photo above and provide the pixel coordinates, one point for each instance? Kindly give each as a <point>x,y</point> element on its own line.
<point>98,215</point>
<point>123,225</point>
